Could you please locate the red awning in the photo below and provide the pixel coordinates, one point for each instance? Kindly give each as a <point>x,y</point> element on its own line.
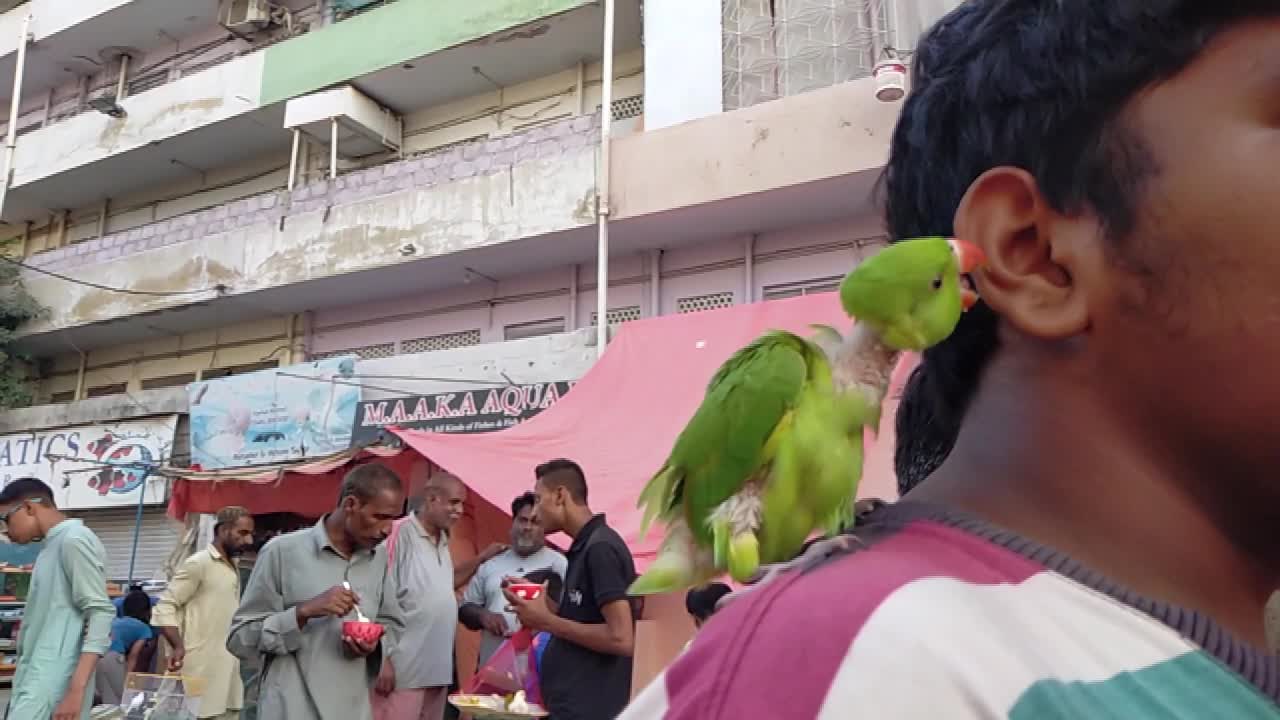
<point>307,488</point>
<point>620,420</point>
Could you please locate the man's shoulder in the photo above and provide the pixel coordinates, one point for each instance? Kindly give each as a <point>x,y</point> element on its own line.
<point>927,601</point>
<point>606,535</point>
<point>286,543</point>
<point>79,535</point>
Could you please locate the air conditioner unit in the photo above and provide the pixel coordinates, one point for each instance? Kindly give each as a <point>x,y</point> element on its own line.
<point>244,15</point>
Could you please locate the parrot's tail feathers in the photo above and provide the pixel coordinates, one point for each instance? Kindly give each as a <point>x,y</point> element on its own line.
<point>744,557</point>
<point>669,572</point>
<point>656,497</point>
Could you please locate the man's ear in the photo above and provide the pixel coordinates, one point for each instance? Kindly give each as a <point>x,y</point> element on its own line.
<point>1033,253</point>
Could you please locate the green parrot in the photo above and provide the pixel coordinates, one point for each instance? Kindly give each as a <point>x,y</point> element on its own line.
<point>774,452</point>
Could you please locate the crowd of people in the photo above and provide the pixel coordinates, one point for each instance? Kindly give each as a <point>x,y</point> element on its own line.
<point>365,558</point>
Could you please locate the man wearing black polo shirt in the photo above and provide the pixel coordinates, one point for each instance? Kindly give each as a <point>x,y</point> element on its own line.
<point>586,672</point>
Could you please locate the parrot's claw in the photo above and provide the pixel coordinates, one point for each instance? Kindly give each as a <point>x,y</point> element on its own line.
<point>814,555</point>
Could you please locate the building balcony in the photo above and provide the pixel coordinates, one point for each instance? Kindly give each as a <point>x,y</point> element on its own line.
<point>406,55</point>
<point>69,35</point>
<point>494,208</point>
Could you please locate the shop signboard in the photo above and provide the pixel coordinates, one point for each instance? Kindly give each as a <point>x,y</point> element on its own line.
<point>272,416</point>
<point>93,466</point>
<point>466,411</point>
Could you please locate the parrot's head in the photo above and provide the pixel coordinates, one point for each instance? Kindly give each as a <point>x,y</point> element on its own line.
<point>913,292</point>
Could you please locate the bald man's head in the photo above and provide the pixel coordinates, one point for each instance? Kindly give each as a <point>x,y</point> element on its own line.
<point>444,499</point>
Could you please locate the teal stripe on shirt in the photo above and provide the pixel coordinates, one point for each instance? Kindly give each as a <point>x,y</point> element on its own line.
<point>1192,686</point>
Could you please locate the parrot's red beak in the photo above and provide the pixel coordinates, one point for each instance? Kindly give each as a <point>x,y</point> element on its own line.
<point>970,258</point>
<point>969,255</point>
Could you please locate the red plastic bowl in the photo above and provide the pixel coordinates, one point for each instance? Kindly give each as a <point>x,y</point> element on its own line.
<point>368,632</point>
<point>525,591</point>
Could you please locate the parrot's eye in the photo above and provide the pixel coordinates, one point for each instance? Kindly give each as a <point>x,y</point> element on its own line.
<point>937,283</point>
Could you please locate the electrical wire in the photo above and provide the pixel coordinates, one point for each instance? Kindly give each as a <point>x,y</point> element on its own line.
<point>220,289</point>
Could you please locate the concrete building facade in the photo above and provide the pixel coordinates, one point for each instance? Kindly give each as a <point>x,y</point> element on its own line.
<point>204,189</point>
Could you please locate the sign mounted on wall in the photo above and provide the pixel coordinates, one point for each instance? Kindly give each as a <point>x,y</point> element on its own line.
<point>469,411</point>
<point>273,416</point>
<point>93,466</point>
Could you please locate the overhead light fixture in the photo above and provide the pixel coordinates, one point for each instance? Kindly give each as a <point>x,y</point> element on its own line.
<point>107,106</point>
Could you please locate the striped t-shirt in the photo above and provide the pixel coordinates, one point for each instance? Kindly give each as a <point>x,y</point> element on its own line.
<point>944,616</point>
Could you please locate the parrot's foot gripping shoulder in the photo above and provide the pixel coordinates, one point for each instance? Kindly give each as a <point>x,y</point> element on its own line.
<point>681,564</point>
<point>734,524</point>
<point>814,555</point>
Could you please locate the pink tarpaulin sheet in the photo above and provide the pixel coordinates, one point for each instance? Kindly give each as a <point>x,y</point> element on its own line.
<point>620,420</point>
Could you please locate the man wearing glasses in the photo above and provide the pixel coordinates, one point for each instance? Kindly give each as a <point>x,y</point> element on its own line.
<point>67,624</point>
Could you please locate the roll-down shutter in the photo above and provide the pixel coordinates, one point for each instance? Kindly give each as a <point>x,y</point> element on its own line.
<point>114,527</point>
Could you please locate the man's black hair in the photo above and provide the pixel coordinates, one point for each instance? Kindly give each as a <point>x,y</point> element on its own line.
<point>566,474</point>
<point>367,481</point>
<point>525,500</point>
<point>701,602</point>
<point>25,489</point>
<point>137,605</point>
<point>555,583</point>
<point>1039,85</point>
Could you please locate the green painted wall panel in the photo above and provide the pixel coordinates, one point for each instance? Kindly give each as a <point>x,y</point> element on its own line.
<point>387,36</point>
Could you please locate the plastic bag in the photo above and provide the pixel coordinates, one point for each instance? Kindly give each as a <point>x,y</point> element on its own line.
<point>512,667</point>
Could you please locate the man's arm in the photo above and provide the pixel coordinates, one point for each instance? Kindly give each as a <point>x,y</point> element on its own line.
<point>463,571</point>
<point>262,623</point>
<point>182,587</point>
<point>390,614</point>
<point>131,660</point>
<point>471,609</point>
<point>615,636</point>
<point>610,576</point>
<point>82,560</point>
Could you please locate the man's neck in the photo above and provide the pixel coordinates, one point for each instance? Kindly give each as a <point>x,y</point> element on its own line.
<point>1064,471</point>
<point>579,516</point>
<point>50,520</point>
<point>337,532</point>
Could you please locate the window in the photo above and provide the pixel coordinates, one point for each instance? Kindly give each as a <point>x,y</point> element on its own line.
<point>368,352</point>
<point>628,107</point>
<point>65,396</point>
<point>435,343</point>
<point>805,287</point>
<point>618,315</point>
<point>537,328</point>
<point>169,381</point>
<point>105,390</point>
<point>698,303</point>
<point>213,373</point>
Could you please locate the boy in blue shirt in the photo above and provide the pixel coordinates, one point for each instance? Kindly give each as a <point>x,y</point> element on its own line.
<point>129,636</point>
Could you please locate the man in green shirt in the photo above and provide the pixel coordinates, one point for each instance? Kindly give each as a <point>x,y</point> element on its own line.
<point>66,626</point>
<point>303,586</point>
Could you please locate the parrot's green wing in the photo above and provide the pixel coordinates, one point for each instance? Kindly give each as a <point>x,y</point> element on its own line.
<point>723,445</point>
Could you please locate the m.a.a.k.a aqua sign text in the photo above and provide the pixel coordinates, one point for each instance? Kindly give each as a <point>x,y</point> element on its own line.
<point>470,411</point>
<point>93,466</point>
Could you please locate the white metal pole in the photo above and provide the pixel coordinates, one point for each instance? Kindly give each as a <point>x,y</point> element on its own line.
<point>602,185</point>
<point>122,84</point>
<point>293,159</point>
<point>11,140</point>
<point>333,148</point>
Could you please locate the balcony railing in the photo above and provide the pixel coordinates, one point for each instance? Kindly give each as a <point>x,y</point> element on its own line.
<point>437,167</point>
